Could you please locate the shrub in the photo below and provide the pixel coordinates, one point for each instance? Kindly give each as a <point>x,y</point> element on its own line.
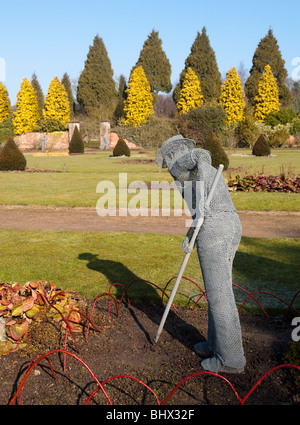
<point>49,125</point>
<point>202,121</point>
<point>246,132</point>
<point>6,129</point>
<point>121,148</point>
<point>218,155</point>
<point>11,158</point>
<point>261,147</point>
<point>279,137</point>
<point>284,116</point>
<point>295,128</point>
<point>76,144</point>
<point>152,134</point>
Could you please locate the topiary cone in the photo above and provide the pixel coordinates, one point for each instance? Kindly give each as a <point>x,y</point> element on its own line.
<point>11,158</point>
<point>121,148</point>
<point>218,155</point>
<point>76,143</point>
<point>261,146</point>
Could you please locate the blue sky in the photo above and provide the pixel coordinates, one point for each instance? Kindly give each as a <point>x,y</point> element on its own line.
<point>53,37</point>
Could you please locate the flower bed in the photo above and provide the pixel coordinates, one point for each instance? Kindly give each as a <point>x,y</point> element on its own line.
<point>263,183</point>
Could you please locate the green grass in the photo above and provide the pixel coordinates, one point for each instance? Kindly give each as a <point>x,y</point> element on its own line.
<point>89,262</point>
<point>74,184</point>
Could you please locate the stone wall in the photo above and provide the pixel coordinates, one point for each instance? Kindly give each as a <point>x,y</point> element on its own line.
<point>113,140</point>
<point>56,141</point>
<point>59,141</point>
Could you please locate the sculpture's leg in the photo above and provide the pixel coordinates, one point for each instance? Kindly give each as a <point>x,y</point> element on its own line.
<point>217,243</point>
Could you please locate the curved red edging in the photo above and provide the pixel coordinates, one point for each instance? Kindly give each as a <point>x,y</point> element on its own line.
<point>101,386</point>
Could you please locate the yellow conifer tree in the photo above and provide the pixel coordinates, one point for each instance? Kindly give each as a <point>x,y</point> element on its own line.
<point>267,98</point>
<point>190,96</point>
<point>57,105</point>
<point>5,108</point>
<point>232,97</point>
<point>138,106</point>
<point>27,117</point>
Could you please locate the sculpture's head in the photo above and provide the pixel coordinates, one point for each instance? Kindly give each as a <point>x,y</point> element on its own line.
<point>172,149</point>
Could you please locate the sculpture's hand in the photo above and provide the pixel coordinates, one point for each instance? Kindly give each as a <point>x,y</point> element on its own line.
<point>185,246</point>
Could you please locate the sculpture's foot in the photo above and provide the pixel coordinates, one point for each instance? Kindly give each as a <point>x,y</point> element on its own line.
<point>201,348</point>
<point>214,365</point>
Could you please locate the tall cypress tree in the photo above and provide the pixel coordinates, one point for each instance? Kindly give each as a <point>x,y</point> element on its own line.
<point>232,97</point>
<point>267,99</point>
<point>190,95</point>
<point>268,53</point>
<point>155,64</point>
<point>39,93</point>
<point>5,107</point>
<point>67,84</point>
<point>26,117</point>
<point>138,106</point>
<point>57,103</point>
<point>96,91</point>
<point>202,60</point>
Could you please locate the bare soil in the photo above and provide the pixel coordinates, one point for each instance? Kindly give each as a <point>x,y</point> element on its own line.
<point>125,350</point>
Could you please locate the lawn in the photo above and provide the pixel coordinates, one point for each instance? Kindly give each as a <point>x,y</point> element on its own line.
<point>75,179</point>
<point>89,262</point>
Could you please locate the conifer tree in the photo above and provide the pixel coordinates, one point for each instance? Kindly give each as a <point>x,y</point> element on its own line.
<point>232,97</point>
<point>138,106</point>
<point>39,93</point>
<point>267,99</point>
<point>26,118</point>
<point>67,85</point>
<point>57,103</point>
<point>190,94</point>
<point>5,108</point>
<point>155,64</point>
<point>268,53</point>
<point>202,60</point>
<point>122,87</point>
<point>96,91</point>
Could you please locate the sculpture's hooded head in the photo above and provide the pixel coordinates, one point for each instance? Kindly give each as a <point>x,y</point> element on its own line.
<point>172,148</point>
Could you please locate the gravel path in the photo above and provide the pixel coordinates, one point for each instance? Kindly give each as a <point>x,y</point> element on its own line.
<point>255,223</point>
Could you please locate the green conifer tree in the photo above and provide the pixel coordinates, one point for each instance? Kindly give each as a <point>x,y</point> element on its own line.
<point>139,103</point>
<point>202,60</point>
<point>232,97</point>
<point>5,108</point>
<point>26,118</point>
<point>267,99</point>
<point>122,87</point>
<point>268,53</point>
<point>96,91</point>
<point>190,94</point>
<point>155,64</point>
<point>39,93</point>
<point>68,87</point>
<point>57,103</point>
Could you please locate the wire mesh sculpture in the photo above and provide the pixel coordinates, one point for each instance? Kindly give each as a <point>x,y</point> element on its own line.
<point>217,242</point>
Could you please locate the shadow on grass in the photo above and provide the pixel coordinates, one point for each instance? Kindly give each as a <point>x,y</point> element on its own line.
<point>144,297</point>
